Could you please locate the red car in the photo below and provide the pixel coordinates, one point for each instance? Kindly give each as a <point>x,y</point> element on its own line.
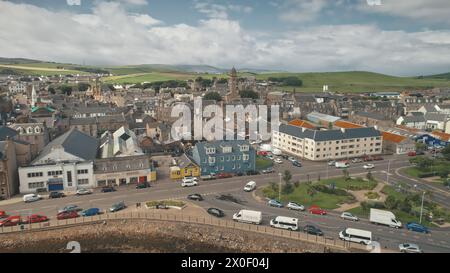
<point>412,153</point>
<point>36,219</point>
<point>3,214</point>
<point>67,215</point>
<point>317,210</point>
<point>225,175</point>
<point>10,221</point>
<point>263,153</point>
<point>377,158</point>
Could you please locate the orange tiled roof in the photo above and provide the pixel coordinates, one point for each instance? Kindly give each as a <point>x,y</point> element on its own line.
<point>441,135</point>
<point>347,125</point>
<point>409,129</point>
<point>393,137</point>
<point>301,123</point>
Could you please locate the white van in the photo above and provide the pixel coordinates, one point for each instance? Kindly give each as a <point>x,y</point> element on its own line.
<point>31,197</point>
<point>248,216</point>
<point>356,235</point>
<point>250,186</point>
<point>284,223</point>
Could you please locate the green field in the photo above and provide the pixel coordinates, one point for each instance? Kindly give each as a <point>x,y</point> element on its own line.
<point>38,69</point>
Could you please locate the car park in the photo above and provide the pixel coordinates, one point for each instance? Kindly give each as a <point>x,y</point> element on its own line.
<point>83,192</point>
<point>36,218</point>
<point>90,212</point>
<point>409,248</point>
<point>417,227</point>
<point>349,216</point>
<point>56,194</point>
<point>368,166</point>
<point>310,229</point>
<point>189,183</point>
<point>108,189</point>
<point>195,197</point>
<point>67,215</point>
<point>216,212</point>
<point>117,206</point>
<point>275,203</point>
<point>295,206</point>
<point>70,208</point>
<point>317,210</point>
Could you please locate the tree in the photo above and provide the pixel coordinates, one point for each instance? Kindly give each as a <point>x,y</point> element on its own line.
<point>51,90</point>
<point>66,89</point>
<point>446,152</point>
<point>287,176</point>
<point>82,87</point>
<point>250,94</point>
<point>213,96</point>
<point>391,203</point>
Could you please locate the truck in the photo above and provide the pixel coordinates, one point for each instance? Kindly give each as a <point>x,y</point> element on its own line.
<point>384,217</point>
<point>341,164</point>
<point>248,216</point>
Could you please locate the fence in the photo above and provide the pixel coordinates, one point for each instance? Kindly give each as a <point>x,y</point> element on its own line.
<point>210,221</point>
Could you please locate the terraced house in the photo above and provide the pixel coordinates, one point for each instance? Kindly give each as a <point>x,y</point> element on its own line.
<point>320,145</point>
<point>236,156</point>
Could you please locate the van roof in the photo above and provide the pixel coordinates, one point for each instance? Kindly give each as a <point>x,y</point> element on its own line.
<point>286,219</point>
<point>251,182</point>
<point>359,232</point>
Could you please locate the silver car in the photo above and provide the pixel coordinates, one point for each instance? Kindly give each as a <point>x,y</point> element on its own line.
<point>409,248</point>
<point>295,206</point>
<point>349,216</point>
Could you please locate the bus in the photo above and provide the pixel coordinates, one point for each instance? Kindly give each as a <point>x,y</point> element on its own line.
<point>284,223</point>
<point>356,235</point>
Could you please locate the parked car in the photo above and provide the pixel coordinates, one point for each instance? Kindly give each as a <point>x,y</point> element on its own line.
<point>90,212</point>
<point>268,170</point>
<point>10,221</point>
<point>275,203</point>
<point>83,192</point>
<point>331,163</point>
<point>117,206</point>
<point>189,183</point>
<point>252,172</point>
<point>3,214</point>
<point>310,229</point>
<point>291,159</point>
<point>56,194</point>
<point>70,208</point>
<point>143,185</point>
<point>195,197</point>
<point>412,153</point>
<point>417,227</point>
<point>295,206</point>
<point>357,160</point>
<point>368,166</point>
<point>108,189</point>
<point>67,215</point>
<point>224,175</point>
<point>349,216</point>
<point>216,212</point>
<point>189,179</point>
<point>409,248</point>
<point>239,174</point>
<point>250,186</point>
<point>296,163</point>
<point>377,158</point>
<point>36,218</point>
<point>32,197</point>
<point>317,210</point>
<point>278,161</point>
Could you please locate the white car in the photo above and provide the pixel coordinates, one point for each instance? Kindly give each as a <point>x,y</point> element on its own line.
<point>189,183</point>
<point>349,216</point>
<point>409,248</point>
<point>278,161</point>
<point>331,163</point>
<point>295,206</point>
<point>83,192</point>
<point>32,197</point>
<point>292,159</point>
<point>369,166</point>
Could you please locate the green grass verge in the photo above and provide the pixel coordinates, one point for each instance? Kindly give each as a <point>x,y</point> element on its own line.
<point>166,203</point>
<point>263,163</point>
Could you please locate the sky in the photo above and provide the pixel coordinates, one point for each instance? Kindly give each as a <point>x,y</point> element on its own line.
<point>396,37</point>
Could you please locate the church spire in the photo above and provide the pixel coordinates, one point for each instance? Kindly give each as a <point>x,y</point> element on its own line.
<point>33,96</point>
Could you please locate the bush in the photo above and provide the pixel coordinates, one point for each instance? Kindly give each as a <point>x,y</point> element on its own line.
<point>287,188</point>
<point>297,184</point>
<point>425,175</point>
<point>325,189</point>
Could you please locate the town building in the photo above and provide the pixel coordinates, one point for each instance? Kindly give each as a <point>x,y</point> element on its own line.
<point>320,145</point>
<point>36,134</point>
<point>397,144</point>
<point>9,182</point>
<point>186,167</point>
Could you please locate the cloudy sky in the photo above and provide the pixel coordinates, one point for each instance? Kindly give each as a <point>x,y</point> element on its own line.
<point>398,37</point>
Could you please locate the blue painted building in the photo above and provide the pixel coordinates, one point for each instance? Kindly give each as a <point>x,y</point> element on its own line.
<point>235,156</point>
<point>430,140</point>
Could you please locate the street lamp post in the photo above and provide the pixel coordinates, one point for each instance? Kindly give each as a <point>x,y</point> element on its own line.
<point>421,208</point>
<point>279,188</point>
<point>388,169</point>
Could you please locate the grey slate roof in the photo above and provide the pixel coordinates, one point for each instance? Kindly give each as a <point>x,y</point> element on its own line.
<point>329,135</point>
<point>415,118</point>
<point>436,117</point>
<point>7,132</point>
<point>73,142</point>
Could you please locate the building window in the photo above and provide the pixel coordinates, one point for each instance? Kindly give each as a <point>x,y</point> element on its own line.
<point>35,185</point>
<point>83,181</point>
<point>84,171</point>
<point>36,174</point>
<point>69,178</point>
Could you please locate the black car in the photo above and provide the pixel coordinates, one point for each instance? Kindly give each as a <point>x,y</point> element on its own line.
<point>296,164</point>
<point>143,185</point>
<point>251,172</point>
<point>239,174</point>
<point>216,212</point>
<point>56,194</point>
<point>310,229</point>
<point>108,189</point>
<point>195,197</point>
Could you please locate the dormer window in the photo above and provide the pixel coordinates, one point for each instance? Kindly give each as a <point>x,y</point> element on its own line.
<point>227,149</point>
<point>244,148</point>
<point>37,130</point>
<point>210,150</point>
<point>29,130</point>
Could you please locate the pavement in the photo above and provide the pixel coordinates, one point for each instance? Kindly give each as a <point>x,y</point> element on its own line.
<point>228,195</point>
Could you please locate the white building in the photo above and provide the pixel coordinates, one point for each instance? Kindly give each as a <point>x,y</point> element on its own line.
<point>66,163</point>
<point>17,88</point>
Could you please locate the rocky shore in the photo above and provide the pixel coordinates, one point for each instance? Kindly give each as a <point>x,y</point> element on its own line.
<point>145,236</point>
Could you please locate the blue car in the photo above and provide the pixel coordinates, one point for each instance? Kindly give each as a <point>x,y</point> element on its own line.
<point>90,212</point>
<point>417,228</point>
<point>275,203</point>
<point>296,164</point>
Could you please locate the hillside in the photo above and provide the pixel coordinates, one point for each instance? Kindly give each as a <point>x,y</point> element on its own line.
<point>438,76</point>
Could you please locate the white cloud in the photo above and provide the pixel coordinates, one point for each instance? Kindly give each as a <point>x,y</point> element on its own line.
<point>111,35</point>
<point>73,2</point>
<point>302,10</point>
<point>221,11</point>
